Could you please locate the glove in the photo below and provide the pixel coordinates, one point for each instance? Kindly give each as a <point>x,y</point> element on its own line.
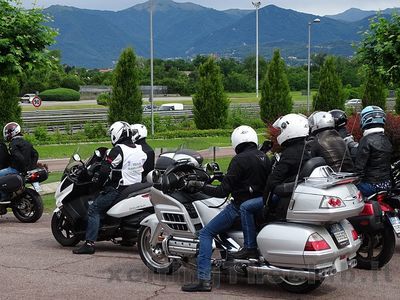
<point>194,185</point>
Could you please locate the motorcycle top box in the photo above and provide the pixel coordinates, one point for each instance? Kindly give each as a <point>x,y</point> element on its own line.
<point>324,197</point>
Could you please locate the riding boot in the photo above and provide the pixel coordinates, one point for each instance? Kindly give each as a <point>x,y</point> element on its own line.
<point>86,248</point>
<point>246,253</point>
<point>200,286</point>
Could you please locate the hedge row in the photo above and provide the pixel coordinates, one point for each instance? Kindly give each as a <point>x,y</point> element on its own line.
<point>60,94</point>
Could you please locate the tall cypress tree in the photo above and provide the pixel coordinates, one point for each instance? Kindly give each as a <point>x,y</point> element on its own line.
<point>374,91</point>
<point>126,99</point>
<point>275,92</point>
<point>330,93</point>
<point>210,103</point>
<point>11,111</point>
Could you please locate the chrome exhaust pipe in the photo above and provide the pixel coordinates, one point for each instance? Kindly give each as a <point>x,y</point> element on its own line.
<point>275,271</point>
<point>5,202</point>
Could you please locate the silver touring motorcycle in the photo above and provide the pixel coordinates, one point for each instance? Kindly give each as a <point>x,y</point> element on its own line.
<point>315,240</point>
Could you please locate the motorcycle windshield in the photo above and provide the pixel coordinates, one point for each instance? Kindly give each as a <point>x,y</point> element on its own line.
<point>72,162</point>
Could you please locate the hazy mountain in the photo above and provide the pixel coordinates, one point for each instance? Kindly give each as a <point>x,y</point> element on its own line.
<point>94,38</point>
<point>355,14</point>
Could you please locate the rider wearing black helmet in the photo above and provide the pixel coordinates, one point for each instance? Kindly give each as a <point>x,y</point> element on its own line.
<point>340,119</point>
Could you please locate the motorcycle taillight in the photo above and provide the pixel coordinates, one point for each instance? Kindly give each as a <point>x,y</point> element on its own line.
<point>354,234</point>
<point>316,242</point>
<point>33,177</point>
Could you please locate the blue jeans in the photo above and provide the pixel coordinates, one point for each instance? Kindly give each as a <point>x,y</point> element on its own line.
<point>7,171</point>
<point>221,223</point>
<point>98,208</point>
<point>368,189</point>
<point>248,209</point>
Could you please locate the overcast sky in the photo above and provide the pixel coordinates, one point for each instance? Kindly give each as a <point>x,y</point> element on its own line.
<point>318,7</point>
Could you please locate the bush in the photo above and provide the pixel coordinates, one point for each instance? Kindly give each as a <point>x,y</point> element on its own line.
<point>60,94</point>
<point>94,130</point>
<point>71,82</point>
<point>397,107</point>
<point>103,99</point>
<point>239,117</point>
<point>374,91</point>
<point>40,134</point>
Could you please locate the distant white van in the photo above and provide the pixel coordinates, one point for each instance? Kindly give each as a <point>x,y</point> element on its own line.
<point>171,106</point>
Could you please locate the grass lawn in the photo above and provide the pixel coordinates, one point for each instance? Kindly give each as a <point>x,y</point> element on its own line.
<point>49,203</point>
<point>53,177</point>
<point>85,150</point>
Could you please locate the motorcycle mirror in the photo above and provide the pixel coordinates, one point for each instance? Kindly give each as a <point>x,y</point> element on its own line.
<point>76,157</point>
<point>266,146</point>
<point>212,167</point>
<point>97,153</point>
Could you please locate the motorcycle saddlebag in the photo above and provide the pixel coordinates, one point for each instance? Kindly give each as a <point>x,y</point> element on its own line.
<point>37,175</point>
<point>11,183</point>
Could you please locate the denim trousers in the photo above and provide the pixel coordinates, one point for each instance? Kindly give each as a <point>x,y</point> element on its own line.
<point>368,189</point>
<point>7,171</point>
<point>221,223</point>
<point>98,208</point>
<point>248,210</point>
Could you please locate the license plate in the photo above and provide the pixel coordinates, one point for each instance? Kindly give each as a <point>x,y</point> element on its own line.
<point>37,187</point>
<point>340,235</point>
<point>396,224</point>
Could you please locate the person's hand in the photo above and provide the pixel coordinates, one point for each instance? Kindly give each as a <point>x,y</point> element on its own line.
<point>194,185</point>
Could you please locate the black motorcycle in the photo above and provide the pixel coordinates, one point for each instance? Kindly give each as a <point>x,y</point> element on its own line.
<point>26,203</point>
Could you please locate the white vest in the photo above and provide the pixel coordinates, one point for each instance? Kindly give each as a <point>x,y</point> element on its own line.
<point>132,165</point>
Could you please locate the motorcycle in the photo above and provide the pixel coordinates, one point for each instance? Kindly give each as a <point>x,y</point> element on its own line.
<point>313,243</point>
<point>77,190</point>
<point>378,224</point>
<point>26,203</point>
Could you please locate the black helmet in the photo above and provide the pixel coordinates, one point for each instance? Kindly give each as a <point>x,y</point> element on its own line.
<point>339,117</point>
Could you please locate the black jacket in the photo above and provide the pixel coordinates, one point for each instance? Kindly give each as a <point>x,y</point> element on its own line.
<point>4,156</point>
<point>288,165</point>
<point>373,158</point>
<point>331,146</point>
<point>149,164</point>
<point>23,157</point>
<point>246,175</point>
<point>350,142</point>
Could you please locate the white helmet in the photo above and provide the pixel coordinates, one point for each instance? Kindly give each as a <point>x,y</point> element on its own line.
<point>243,134</point>
<point>120,131</point>
<point>291,126</point>
<point>11,130</point>
<point>139,131</point>
<point>320,120</point>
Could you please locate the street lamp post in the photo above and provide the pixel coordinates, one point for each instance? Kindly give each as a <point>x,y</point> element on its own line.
<point>151,69</point>
<point>257,6</point>
<point>309,62</point>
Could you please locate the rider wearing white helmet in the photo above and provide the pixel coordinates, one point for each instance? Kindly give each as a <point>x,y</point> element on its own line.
<point>122,166</point>
<point>22,156</point>
<point>139,135</point>
<point>245,181</point>
<point>326,142</point>
<point>292,137</point>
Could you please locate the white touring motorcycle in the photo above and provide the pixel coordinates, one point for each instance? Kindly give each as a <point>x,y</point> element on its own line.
<point>314,242</point>
<point>74,194</point>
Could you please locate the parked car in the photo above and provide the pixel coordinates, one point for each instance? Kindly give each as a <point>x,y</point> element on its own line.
<point>27,98</point>
<point>171,106</point>
<point>353,103</point>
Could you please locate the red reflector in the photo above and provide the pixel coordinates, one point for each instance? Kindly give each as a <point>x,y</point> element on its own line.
<point>342,257</point>
<point>354,234</point>
<point>368,210</point>
<point>146,196</point>
<point>364,223</point>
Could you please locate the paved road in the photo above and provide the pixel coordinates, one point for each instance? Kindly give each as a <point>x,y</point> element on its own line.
<point>34,266</point>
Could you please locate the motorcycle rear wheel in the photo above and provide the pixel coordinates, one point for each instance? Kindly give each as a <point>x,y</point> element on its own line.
<point>62,230</point>
<point>377,249</point>
<point>154,258</point>
<point>297,286</point>
<point>29,207</point>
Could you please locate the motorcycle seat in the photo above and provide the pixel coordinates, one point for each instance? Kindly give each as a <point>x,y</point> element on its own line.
<point>134,190</point>
<point>11,183</point>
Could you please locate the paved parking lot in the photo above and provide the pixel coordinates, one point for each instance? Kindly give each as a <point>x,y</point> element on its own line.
<point>34,266</point>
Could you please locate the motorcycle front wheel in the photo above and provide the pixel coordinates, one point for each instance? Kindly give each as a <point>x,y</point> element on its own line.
<point>377,249</point>
<point>62,230</point>
<point>299,286</point>
<point>29,207</point>
<point>153,257</point>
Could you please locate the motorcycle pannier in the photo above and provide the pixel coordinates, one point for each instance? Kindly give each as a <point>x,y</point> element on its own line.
<point>11,183</point>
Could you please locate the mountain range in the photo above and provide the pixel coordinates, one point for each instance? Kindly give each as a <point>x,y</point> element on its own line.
<point>94,38</point>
